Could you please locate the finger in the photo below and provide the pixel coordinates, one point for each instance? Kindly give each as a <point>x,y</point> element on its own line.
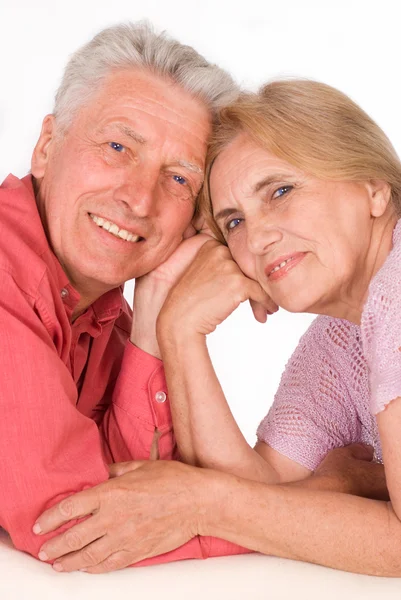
<point>114,562</point>
<point>72,540</point>
<point>209,244</point>
<point>189,232</point>
<point>259,311</point>
<point>199,222</point>
<point>257,296</point>
<point>77,506</point>
<point>89,556</point>
<point>117,469</point>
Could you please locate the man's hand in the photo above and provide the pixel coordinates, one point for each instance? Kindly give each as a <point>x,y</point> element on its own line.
<point>349,470</point>
<point>151,291</point>
<point>150,509</point>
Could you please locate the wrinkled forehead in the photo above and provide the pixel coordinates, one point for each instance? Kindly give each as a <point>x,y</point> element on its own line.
<point>152,95</point>
<point>241,166</point>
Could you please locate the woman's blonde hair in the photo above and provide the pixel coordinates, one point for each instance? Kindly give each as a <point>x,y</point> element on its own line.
<point>313,127</point>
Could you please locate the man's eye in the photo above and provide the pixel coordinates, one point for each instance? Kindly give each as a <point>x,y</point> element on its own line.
<point>117,147</point>
<point>284,189</point>
<point>233,224</point>
<point>179,179</point>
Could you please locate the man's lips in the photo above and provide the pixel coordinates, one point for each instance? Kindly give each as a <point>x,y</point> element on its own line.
<point>283,264</point>
<point>115,229</point>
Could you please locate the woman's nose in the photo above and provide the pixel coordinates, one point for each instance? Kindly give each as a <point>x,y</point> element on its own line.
<point>261,235</point>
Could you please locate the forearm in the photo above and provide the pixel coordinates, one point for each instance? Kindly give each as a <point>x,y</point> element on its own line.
<point>206,432</point>
<point>389,422</point>
<point>335,530</point>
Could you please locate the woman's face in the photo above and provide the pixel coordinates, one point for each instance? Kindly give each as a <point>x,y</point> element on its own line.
<point>310,243</point>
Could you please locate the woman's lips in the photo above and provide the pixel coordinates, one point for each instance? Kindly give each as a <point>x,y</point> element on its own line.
<point>280,267</point>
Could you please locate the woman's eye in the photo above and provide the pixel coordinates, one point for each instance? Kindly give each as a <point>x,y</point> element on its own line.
<point>179,179</point>
<point>117,147</point>
<point>281,191</point>
<point>233,224</point>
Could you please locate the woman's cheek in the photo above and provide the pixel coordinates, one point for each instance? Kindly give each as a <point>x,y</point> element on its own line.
<point>243,257</point>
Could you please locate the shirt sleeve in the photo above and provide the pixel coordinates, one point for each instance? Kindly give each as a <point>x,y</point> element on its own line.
<point>139,410</point>
<point>198,547</point>
<point>48,449</point>
<point>313,411</point>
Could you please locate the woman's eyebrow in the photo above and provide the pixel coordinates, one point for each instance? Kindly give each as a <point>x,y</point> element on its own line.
<point>274,178</point>
<point>224,213</point>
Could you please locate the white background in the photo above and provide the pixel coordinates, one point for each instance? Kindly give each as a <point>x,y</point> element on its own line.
<point>353,45</point>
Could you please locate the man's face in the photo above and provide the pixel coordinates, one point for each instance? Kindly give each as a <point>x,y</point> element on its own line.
<point>117,191</point>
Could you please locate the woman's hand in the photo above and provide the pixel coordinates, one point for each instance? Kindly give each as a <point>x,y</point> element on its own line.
<point>212,287</point>
<point>350,470</point>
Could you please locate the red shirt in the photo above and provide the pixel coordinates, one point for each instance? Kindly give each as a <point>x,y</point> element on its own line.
<point>73,396</point>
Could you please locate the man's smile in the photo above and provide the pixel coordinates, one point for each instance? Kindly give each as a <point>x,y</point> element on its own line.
<point>115,230</point>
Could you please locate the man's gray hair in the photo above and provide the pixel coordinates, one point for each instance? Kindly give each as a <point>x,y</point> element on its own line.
<point>136,45</point>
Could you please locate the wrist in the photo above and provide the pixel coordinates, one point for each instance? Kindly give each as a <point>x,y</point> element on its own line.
<point>175,336</point>
<point>210,501</point>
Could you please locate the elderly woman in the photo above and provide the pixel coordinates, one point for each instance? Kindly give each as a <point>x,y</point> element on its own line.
<point>305,192</point>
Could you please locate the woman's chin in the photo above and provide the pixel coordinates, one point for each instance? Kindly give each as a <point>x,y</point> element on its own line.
<point>296,304</point>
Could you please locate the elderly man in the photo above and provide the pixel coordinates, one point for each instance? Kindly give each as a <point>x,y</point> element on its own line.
<point>113,183</point>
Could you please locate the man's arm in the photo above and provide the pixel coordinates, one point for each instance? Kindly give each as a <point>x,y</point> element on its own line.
<point>49,450</point>
<point>168,502</point>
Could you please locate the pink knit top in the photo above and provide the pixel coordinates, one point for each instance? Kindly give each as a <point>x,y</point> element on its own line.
<point>341,375</point>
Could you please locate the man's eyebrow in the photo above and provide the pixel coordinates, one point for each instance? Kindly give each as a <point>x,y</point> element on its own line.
<point>125,130</point>
<point>190,166</point>
<point>131,133</point>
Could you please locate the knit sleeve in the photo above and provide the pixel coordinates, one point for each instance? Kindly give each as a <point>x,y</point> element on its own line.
<point>314,409</point>
<point>381,329</point>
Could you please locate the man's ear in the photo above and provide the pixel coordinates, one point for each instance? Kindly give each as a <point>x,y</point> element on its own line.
<point>380,196</point>
<point>41,153</point>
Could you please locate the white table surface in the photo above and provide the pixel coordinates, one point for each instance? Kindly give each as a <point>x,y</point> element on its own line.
<point>250,576</point>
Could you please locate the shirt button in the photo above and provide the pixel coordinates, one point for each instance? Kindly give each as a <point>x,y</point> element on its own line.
<point>64,293</point>
<point>160,397</point>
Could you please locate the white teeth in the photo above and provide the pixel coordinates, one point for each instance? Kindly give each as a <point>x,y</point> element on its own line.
<point>114,229</point>
<point>281,265</point>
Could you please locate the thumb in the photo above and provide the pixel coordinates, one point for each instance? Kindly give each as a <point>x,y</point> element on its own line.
<point>117,469</point>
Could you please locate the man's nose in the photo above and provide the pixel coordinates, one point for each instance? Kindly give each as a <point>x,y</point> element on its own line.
<point>138,193</point>
<point>261,235</point>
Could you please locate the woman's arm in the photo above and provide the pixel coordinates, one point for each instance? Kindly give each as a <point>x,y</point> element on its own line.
<point>206,432</point>
<point>389,422</point>
<point>205,429</point>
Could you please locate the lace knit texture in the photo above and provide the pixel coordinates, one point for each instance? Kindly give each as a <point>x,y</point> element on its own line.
<point>341,375</point>
<point>381,329</point>
<point>323,398</point>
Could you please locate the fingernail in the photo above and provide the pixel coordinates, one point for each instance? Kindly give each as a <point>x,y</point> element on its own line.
<point>57,566</point>
<point>37,528</point>
<point>84,570</point>
<point>42,555</point>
